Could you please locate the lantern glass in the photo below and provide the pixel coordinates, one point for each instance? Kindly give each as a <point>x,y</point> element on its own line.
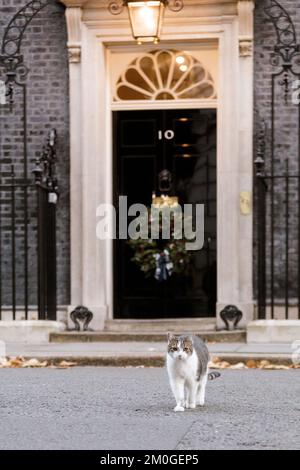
<point>146,19</point>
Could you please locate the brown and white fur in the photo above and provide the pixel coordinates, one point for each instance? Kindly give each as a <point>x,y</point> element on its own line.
<point>187,365</point>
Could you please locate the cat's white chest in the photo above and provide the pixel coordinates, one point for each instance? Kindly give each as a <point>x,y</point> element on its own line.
<point>183,369</point>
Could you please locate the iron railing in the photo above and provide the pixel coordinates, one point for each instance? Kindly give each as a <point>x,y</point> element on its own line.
<point>277,179</point>
<point>28,211</point>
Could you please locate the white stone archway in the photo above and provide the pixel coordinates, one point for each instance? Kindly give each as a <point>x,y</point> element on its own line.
<point>91,30</point>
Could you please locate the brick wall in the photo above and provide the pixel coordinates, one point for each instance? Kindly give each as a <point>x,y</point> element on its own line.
<point>285,144</point>
<point>45,55</point>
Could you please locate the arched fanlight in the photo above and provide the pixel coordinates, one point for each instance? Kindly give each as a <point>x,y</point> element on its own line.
<point>145,17</point>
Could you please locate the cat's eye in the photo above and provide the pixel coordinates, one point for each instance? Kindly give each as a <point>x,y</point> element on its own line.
<point>174,349</point>
<point>186,349</point>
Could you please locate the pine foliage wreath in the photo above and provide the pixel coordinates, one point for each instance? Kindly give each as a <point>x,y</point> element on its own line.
<point>161,258</point>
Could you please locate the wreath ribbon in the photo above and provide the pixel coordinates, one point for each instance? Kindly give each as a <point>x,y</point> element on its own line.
<point>164,266</point>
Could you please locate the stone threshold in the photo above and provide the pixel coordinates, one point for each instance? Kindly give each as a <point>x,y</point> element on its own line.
<point>161,325</point>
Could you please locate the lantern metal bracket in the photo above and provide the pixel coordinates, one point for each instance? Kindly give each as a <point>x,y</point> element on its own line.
<point>116,7</point>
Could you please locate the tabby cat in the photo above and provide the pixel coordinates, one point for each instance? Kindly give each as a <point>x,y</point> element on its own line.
<point>187,365</point>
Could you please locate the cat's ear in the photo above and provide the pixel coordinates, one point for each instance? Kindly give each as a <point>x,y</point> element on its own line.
<point>170,336</point>
<point>190,338</point>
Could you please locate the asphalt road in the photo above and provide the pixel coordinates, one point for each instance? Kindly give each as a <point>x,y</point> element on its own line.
<point>132,408</point>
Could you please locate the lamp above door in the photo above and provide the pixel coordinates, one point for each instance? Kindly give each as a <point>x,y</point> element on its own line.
<point>145,17</point>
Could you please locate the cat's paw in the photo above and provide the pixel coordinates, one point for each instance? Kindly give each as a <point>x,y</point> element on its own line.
<point>200,403</point>
<point>179,408</point>
<point>191,406</point>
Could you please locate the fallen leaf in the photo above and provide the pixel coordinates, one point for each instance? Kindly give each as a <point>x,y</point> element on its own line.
<point>214,366</point>
<point>263,364</point>
<point>34,363</point>
<point>251,364</point>
<point>239,365</point>
<point>215,360</point>
<point>276,367</point>
<point>4,362</point>
<point>16,361</point>
<point>224,365</point>
<point>67,364</point>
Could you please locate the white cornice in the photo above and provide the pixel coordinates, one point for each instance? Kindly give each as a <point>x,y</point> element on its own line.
<point>103,4</point>
<point>186,3</point>
<point>96,11</point>
<point>215,23</point>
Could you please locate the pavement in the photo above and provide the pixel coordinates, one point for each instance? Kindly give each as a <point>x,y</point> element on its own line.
<point>143,353</point>
<point>132,408</point>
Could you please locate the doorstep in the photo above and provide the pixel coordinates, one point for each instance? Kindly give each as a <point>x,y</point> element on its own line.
<point>161,325</point>
<point>237,336</point>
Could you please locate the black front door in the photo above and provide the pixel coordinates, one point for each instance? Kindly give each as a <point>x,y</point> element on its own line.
<point>183,142</point>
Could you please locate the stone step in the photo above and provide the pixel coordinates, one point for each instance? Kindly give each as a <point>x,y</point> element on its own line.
<point>161,325</point>
<point>237,336</point>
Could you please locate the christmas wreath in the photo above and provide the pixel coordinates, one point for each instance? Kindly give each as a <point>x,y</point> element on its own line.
<point>161,258</point>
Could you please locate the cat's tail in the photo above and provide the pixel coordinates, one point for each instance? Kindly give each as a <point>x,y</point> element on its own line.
<point>213,375</point>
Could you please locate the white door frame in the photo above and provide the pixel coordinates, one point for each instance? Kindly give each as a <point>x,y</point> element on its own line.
<point>90,32</point>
